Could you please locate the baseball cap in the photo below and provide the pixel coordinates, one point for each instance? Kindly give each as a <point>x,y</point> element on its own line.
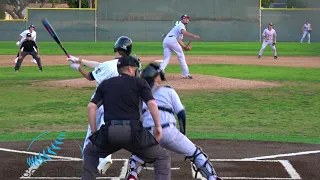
<point>29,35</point>
<point>128,61</point>
<point>270,24</point>
<point>184,16</point>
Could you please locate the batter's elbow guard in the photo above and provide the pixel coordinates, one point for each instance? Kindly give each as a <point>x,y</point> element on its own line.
<point>182,121</point>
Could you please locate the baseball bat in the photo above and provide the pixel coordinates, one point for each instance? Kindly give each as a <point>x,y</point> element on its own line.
<point>53,34</point>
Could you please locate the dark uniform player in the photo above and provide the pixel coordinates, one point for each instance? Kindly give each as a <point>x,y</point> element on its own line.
<point>27,48</point>
<point>121,98</point>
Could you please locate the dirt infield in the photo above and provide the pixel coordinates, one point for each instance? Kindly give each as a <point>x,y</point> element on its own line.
<point>231,159</point>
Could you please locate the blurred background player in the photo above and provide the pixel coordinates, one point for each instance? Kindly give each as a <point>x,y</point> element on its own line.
<point>269,38</point>
<point>28,47</point>
<point>22,37</point>
<point>306,30</point>
<point>173,42</point>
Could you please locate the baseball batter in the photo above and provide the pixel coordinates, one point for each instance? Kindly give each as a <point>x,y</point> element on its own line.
<point>306,30</point>
<point>22,37</point>
<point>102,71</point>
<point>173,42</point>
<point>170,104</point>
<point>269,38</point>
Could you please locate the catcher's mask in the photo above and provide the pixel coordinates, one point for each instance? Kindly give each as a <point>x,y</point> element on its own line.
<point>124,44</point>
<point>130,61</point>
<point>151,71</point>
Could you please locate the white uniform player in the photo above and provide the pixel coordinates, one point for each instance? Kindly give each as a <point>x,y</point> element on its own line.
<point>173,42</point>
<point>22,37</point>
<point>169,104</point>
<point>306,30</point>
<point>269,38</point>
<point>102,71</point>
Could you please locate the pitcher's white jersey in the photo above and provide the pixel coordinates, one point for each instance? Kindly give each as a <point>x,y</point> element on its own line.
<point>24,34</point>
<point>269,35</point>
<point>176,30</point>
<point>307,27</point>
<point>165,97</point>
<point>105,70</point>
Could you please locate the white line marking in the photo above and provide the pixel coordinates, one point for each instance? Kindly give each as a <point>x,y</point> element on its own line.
<point>31,170</point>
<point>117,178</point>
<point>283,155</point>
<point>290,169</point>
<point>151,168</point>
<point>243,160</point>
<point>124,169</point>
<point>256,178</point>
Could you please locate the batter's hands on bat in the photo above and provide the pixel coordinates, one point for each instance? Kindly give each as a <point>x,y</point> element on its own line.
<point>157,133</point>
<point>75,66</point>
<point>73,59</point>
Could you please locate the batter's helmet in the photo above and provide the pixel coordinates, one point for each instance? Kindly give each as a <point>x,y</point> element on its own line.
<point>31,26</point>
<point>151,71</point>
<point>124,44</point>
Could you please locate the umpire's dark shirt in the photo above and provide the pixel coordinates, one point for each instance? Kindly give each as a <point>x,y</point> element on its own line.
<point>121,95</point>
<point>28,45</point>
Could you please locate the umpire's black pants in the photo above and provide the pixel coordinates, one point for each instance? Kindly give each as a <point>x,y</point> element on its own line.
<point>128,135</point>
<point>24,54</point>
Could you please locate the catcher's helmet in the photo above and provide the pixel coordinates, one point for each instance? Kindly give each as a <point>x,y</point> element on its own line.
<point>124,44</point>
<point>31,26</point>
<point>151,71</point>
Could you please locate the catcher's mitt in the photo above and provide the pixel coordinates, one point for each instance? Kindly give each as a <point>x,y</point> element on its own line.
<point>188,47</point>
<point>309,31</point>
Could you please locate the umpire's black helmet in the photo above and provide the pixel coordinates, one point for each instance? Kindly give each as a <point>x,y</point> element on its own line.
<point>124,44</point>
<point>151,71</point>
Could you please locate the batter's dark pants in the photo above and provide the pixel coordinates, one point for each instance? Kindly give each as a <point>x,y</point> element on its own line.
<point>131,136</point>
<point>24,54</point>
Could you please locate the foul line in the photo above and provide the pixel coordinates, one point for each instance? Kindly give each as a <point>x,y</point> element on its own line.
<point>292,172</point>
<point>283,155</point>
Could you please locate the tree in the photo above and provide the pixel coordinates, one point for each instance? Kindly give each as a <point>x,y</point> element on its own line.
<point>19,6</point>
<point>266,3</point>
<point>75,3</point>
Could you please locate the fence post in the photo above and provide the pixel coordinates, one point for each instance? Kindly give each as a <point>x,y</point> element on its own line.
<point>260,25</point>
<point>79,4</point>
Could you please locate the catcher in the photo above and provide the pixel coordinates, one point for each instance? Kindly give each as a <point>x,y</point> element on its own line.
<point>169,104</point>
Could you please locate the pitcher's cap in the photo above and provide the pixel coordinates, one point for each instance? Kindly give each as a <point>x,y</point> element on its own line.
<point>185,16</point>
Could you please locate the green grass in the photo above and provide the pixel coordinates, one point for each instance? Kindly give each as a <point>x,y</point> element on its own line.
<point>288,113</point>
<point>155,48</point>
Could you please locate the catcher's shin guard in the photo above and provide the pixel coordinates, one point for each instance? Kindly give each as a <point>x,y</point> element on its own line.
<point>135,166</point>
<point>205,169</point>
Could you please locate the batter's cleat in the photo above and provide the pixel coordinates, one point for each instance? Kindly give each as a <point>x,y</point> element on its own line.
<point>104,165</point>
<point>275,57</point>
<point>187,77</point>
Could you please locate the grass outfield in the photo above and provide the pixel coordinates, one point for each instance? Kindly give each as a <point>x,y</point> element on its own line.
<point>288,113</point>
<point>155,48</point>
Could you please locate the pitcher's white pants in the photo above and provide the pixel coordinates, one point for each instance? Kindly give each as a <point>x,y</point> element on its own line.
<point>304,35</point>
<point>264,45</point>
<point>171,44</point>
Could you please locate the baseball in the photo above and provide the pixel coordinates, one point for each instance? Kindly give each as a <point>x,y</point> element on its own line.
<point>158,61</point>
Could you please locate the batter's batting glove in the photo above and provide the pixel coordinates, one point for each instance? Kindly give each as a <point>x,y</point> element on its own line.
<point>73,59</point>
<point>75,66</point>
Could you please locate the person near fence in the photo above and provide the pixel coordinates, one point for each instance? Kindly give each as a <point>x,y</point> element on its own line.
<point>306,30</point>
<point>22,37</point>
<point>28,47</point>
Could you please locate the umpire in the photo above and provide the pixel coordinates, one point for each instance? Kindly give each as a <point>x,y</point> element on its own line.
<point>121,97</point>
<point>27,48</point>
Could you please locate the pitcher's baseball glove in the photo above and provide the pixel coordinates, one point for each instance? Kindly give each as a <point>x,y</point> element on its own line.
<point>309,31</point>
<point>188,47</point>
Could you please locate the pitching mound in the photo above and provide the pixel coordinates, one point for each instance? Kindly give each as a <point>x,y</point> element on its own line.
<point>198,82</point>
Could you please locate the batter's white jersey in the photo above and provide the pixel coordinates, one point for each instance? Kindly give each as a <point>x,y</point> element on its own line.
<point>105,71</point>
<point>269,35</point>
<point>176,31</point>
<point>165,97</point>
<point>307,27</point>
<point>24,34</point>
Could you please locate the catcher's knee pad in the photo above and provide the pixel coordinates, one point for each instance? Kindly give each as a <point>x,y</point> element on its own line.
<point>206,169</point>
<point>135,166</point>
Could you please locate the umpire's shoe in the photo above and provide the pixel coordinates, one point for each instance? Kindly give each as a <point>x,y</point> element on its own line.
<point>275,57</point>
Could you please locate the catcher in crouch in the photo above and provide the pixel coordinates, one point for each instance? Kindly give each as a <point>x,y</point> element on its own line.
<point>169,104</point>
